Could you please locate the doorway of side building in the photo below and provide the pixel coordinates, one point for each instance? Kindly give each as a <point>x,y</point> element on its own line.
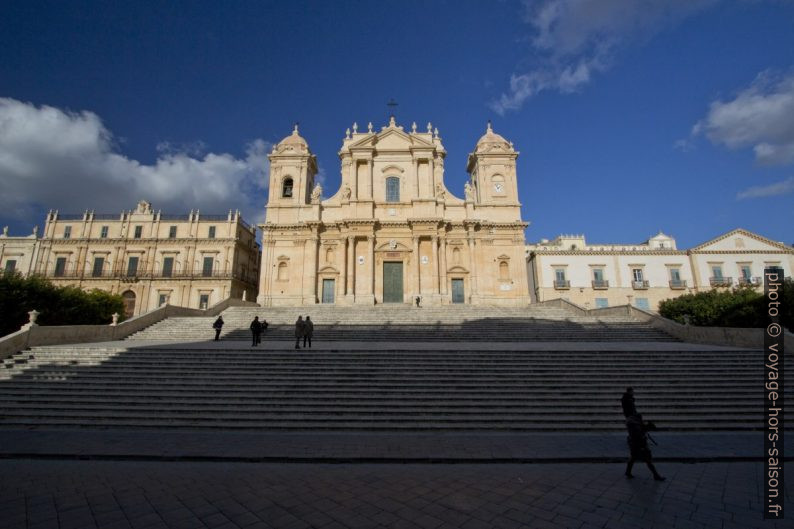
<point>129,303</point>
<point>458,295</point>
<point>328,290</point>
<point>393,282</point>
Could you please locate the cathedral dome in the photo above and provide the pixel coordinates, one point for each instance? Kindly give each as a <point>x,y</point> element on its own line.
<point>490,141</point>
<point>294,139</point>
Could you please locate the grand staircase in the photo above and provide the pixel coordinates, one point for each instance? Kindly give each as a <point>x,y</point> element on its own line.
<point>379,385</point>
<point>457,323</point>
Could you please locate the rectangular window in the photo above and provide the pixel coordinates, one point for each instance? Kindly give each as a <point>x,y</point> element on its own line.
<point>60,267</point>
<point>601,303</point>
<point>11,265</point>
<point>598,275</point>
<point>99,264</point>
<point>559,274</point>
<point>168,266</point>
<point>675,275</point>
<point>103,232</point>
<point>132,267</point>
<point>716,272</point>
<point>746,272</point>
<point>211,233</point>
<point>206,271</point>
<point>642,303</point>
<point>138,232</point>
<point>67,232</point>
<point>637,274</point>
<point>172,232</point>
<point>163,299</point>
<point>204,301</point>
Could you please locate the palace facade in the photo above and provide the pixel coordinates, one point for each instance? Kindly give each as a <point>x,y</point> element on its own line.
<point>603,275</point>
<point>151,258</point>
<point>393,231</point>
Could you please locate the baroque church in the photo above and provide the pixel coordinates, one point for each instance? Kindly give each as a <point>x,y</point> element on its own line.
<point>393,231</point>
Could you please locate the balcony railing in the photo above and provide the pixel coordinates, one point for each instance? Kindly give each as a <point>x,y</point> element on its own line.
<point>640,285</point>
<point>562,284</point>
<point>600,284</point>
<point>678,284</point>
<point>127,276</point>
<point>721,281</point>
<point>750,281</point>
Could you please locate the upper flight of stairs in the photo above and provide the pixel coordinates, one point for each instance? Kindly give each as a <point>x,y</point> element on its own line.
<point>463,323</point>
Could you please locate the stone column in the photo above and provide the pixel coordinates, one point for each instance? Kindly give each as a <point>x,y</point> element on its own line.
<point>310,294</point>
<point>354,179</point>
<point>435,268</point>
<point>417,279</point>
<point>473,265</point>
<point>371,257</point>
<point>443,266</point>
<point>349,284</point>
<point>371,179</point>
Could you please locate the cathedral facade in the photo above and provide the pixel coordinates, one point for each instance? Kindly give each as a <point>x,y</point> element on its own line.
<point>393,231</point>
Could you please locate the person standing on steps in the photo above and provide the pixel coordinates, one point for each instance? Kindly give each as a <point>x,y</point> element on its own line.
<point>256,331</point>
<point>300,328</point>
<point>308,331</point>
<point>418,300</point>
<point>627,402</point>
<point>263,326</point>
<point>218,325</point>
<point>638,445</point>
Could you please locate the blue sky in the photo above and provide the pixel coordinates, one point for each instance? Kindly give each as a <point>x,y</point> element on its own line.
<point>631,117</point>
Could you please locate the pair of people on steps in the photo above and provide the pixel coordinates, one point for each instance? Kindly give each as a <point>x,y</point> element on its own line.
<point>638,436</point>
<point>257,328</point>
<point>303,329</point>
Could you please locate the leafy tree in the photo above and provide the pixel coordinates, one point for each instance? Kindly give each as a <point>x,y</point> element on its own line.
<point>57,305</point>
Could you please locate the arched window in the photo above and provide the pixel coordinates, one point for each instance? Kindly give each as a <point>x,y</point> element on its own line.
<point>282,271</point>
<point>286,189</point>
<point>392,189</point>
<point>504,270</point>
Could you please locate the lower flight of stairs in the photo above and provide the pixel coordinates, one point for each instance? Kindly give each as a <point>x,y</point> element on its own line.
<point>463,323</point>
<point>396,389</point>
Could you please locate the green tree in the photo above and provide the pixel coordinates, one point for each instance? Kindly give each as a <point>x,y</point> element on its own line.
<point>739,307</point>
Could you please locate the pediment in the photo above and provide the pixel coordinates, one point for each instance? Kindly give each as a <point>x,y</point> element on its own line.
<point>740,240</point>
<point>457,269</point>
<point>328,270</point>
<point>392,139</point>
<point>392,246</point>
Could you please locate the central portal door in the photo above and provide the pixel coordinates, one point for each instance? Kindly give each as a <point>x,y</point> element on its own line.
<point>328,290</point>
<point>457,291</point>
<point>393,282</point>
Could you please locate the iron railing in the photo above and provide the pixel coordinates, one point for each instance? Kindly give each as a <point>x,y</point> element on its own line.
<point>640,285</point>
<point>563,284</point>
<point>677,284</point>
<point>721,281</point>
<point>126,275</point>
<point>600,284</point>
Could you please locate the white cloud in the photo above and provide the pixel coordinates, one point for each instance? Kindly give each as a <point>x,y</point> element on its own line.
<point>572,40</point>
<point>761,116</point>
<point>69,161</point>
<point>779,188</point>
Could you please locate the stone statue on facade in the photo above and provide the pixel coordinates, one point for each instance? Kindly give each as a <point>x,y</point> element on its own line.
<point>468,191</point>
<point>346,193</point>
<point>317,193</point>
<point>440,193</point>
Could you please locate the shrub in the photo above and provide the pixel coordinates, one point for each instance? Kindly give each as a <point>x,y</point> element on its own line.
<point>740,307</point>
<point>57,305</point>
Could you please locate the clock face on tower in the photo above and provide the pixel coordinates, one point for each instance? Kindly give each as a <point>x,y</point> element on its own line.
<point>498,187</point>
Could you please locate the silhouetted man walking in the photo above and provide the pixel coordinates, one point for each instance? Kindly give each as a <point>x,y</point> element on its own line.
<point>627,401</point>
<point>218,325</point>
<point>256,331</point>
<point>300,328</point>
<point>308,330</point>
<point>638,445</point>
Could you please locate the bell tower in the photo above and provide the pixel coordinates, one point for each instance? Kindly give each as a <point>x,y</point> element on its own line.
<point>492,170</point>
<point>292,171</point>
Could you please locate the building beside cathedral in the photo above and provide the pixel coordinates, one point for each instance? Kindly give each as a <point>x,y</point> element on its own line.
<point>603,275</point>
<point>151,258</point>
<point>393,231</point>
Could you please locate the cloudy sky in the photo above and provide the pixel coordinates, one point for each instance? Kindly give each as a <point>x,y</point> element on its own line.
<point>631,116</point>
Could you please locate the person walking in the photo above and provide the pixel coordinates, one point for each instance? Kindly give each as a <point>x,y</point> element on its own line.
<point>418,300</point>
<point>218,325</point>
<point>256,331</point>
<point>308,331</point>
<point>627,402</point>
<point>638,445</point>
<point>300,328</point>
